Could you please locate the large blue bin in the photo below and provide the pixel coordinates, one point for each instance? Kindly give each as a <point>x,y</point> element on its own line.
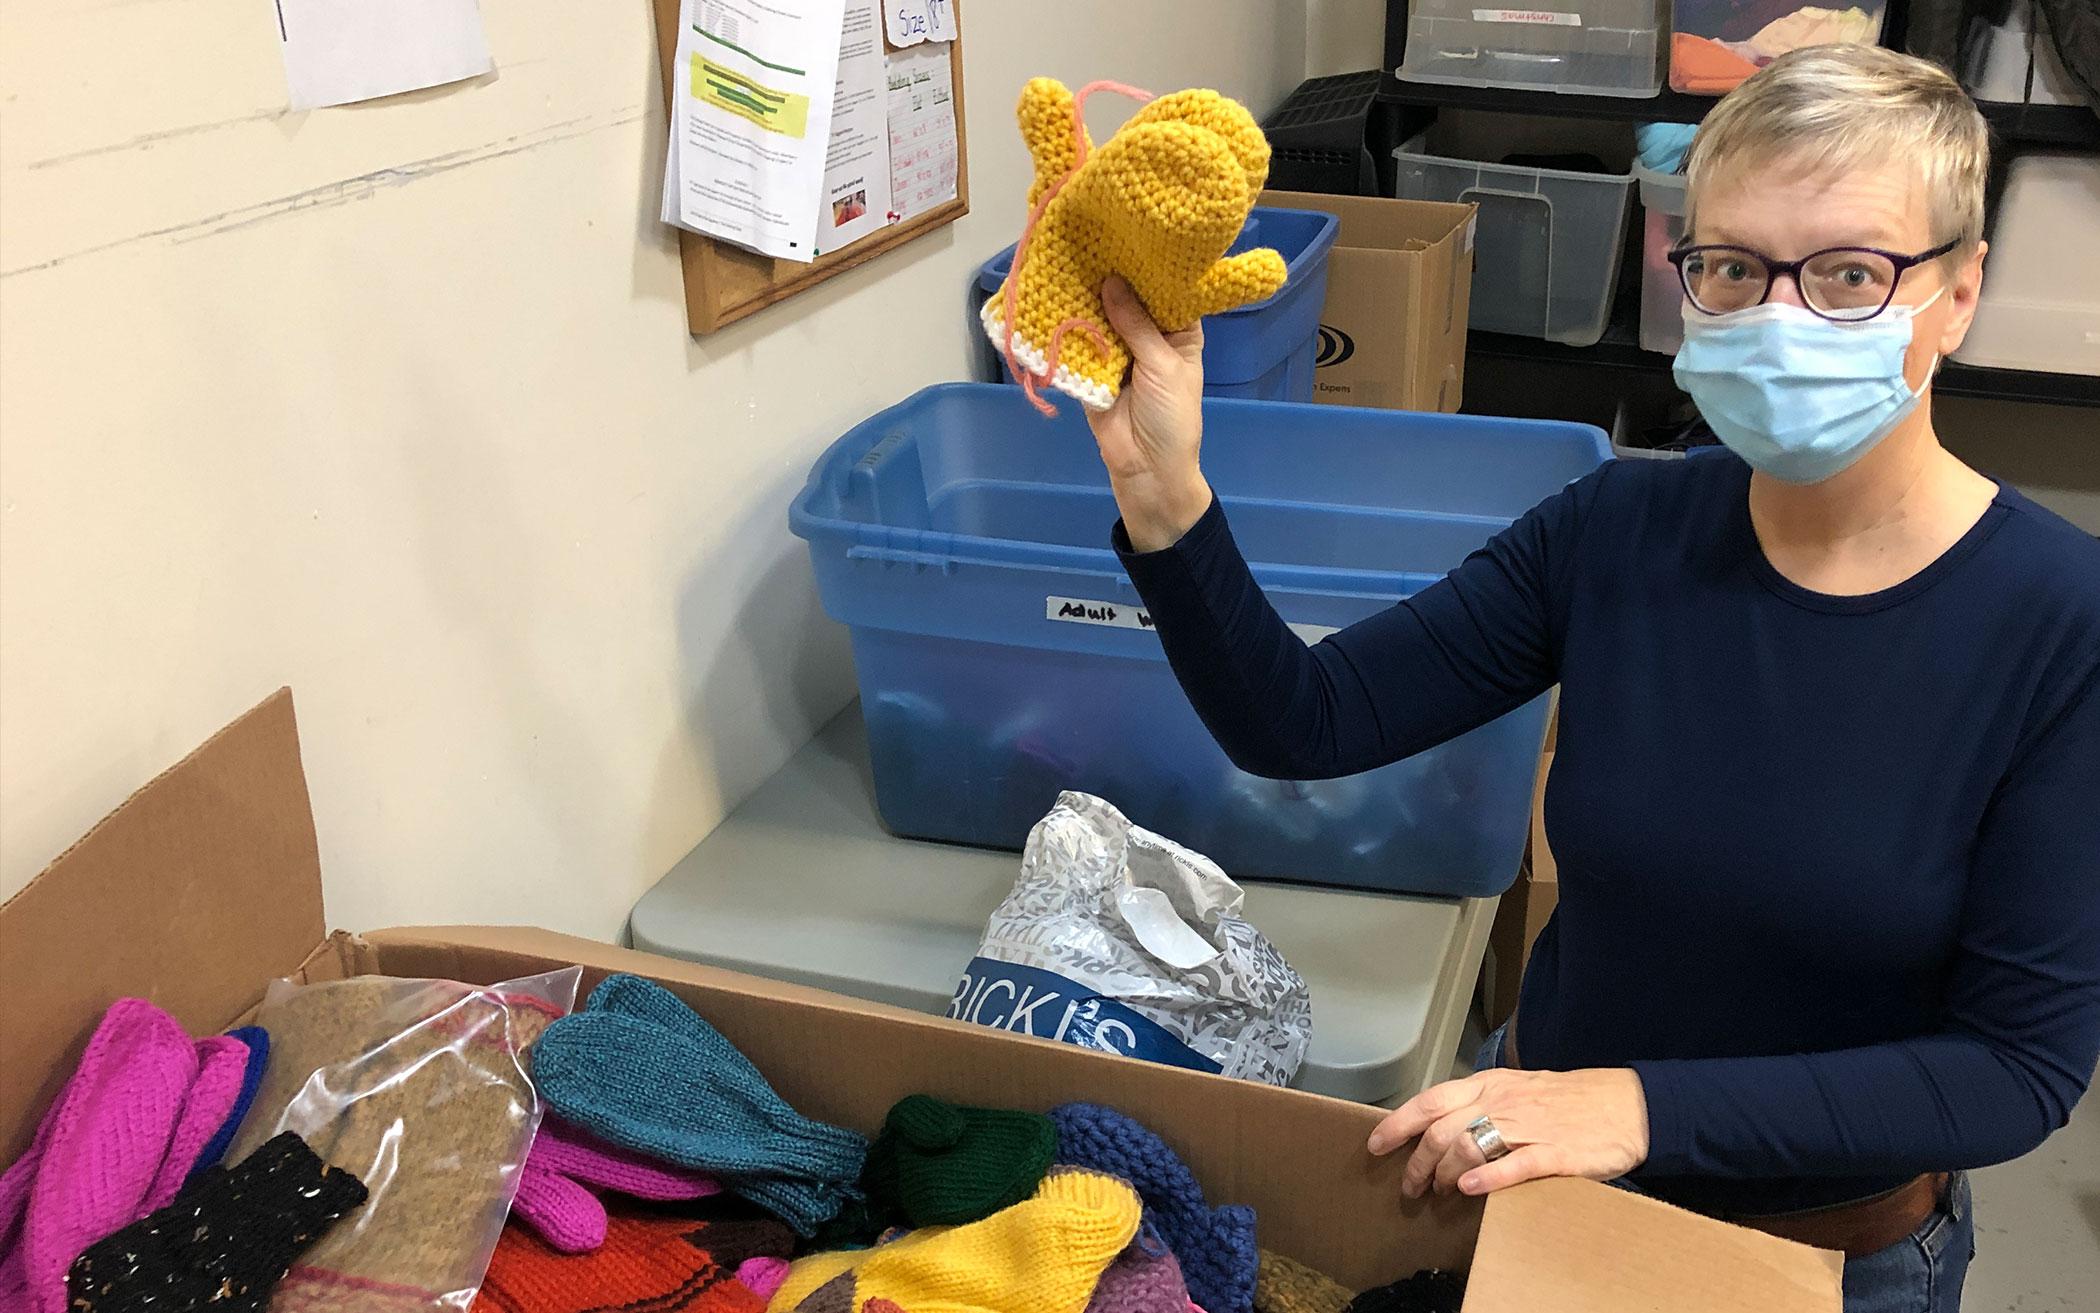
<point>964,540</point>
<point>1262,351</point>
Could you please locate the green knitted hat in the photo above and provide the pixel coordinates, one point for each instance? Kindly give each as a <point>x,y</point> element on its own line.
<point>936,1164</point>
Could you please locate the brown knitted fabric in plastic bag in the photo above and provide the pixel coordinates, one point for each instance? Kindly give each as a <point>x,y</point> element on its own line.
<point>422,1089</point>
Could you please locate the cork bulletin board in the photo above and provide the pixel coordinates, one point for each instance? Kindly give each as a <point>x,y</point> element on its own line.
<point>725,282</point>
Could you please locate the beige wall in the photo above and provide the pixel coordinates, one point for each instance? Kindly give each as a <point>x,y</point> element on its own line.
<point>1343,36</point>
<point>395,404</point>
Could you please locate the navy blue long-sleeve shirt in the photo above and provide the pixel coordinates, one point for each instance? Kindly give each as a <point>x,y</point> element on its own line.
<point>1829,866</point>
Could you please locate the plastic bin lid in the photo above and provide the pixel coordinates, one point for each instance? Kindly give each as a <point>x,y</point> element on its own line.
<point>1662,191</point>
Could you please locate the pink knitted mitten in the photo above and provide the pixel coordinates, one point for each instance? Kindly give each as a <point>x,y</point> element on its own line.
<point>762,1276</point>
<point>568,1168</point>
<point>222,1063</point>
<point>96,1154</point>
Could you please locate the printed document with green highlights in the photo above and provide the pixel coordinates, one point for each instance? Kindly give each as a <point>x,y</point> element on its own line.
<point>751,101</point>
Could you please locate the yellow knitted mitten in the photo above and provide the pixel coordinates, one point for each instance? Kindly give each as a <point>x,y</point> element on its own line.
<point>1160,204</point>
<point>1043,1255</point>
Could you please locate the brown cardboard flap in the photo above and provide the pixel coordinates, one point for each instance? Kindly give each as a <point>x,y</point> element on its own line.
<point>1580,1247</point>
<point>1298,1159</point>
<point>1380,221</point>
<point>202,886</point>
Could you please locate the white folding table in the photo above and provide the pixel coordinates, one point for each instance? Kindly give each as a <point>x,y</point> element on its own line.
<point>801,883</point>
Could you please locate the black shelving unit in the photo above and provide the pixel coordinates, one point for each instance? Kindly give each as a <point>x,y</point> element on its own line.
<point>2071,127</point>
<point>1405,105</point>
<point>1620,348</point>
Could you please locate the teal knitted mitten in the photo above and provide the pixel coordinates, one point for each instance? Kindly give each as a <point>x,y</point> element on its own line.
<point>639,1068</point>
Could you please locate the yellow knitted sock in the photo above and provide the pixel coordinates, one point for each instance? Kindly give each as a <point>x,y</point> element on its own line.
<point>1043,1255</point>
<point>1160,204</point>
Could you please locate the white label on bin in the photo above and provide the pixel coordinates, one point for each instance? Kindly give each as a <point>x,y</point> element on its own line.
<point>1079,611</point>
<point>1550,17</point>
<point>1120,615</point>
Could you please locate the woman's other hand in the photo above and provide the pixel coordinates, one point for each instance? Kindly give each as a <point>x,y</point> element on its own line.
<point>1590,1123</point>
<point>1151,437</point>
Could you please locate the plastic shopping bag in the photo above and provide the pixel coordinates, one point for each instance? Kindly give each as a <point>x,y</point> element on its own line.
<point>1117,939</point>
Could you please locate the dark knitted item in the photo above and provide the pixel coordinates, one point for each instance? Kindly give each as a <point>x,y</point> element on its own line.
<point>224,1243</point>
<point>1427,1291</point>
<point>937,1164</point>
<point>1284,1285</point>
<point>854,1226</point>
<point>1215,1246</point>
<point>639,1068</point>
<point>258,1041</point>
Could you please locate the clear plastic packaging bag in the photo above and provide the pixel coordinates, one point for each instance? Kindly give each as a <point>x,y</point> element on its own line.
<point>422,1088</point>
<point>1117,939</point>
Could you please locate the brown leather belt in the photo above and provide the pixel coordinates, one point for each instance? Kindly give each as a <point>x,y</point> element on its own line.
<point>1855,1229</point>
<point>1858,1229</point>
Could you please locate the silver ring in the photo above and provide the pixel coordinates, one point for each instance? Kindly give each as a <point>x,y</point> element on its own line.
<point>1487,1139</point>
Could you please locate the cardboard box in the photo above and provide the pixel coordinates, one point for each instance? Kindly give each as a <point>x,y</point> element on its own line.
<point>1522,913</point>
<point>1400,279</point>
<point>207,882</point>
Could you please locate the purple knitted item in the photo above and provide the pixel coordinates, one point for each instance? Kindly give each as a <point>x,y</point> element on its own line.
<point>1143,1279</point>
<point>96,1154</point>
<point>1215,1246</point>
<point>557,1191</point>
<point>222,1064</point>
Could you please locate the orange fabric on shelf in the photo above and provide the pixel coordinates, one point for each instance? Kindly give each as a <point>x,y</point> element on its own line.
<point>1705,67</point>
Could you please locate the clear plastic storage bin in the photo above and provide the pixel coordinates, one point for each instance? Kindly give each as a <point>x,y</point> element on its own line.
<point>2040,307</point>
<point>1546,254</point>
<point>1715,44</point>
<point>1002,654</point>
<point>1662,291</point>
<point>1582,47</point>
<point>2016,62</point>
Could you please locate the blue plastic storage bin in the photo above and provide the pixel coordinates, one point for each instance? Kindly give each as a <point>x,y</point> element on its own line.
<point>1002,657</point>
<point>1260,352</point>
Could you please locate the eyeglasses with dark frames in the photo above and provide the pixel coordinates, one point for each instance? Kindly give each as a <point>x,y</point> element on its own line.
<point>1845,284</point>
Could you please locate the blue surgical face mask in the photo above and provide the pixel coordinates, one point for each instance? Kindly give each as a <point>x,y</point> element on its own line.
<point>1796,395</point>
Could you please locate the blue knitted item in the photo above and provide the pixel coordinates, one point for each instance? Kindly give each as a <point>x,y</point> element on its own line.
<point>1215,1246</point>
<point>258,1041</point>
<point>641,1069</point>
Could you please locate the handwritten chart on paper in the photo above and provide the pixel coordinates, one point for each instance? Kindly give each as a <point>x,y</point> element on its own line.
<point>922,129</point>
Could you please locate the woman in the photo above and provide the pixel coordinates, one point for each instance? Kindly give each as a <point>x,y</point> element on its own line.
<point>1826,803</point>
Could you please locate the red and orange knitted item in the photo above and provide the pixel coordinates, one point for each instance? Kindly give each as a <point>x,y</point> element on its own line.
<point>646,1265</point>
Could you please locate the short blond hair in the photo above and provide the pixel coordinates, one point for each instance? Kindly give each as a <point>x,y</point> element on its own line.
<point>1855,106</point>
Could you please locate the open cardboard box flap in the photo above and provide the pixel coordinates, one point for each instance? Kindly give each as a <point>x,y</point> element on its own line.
<point>205,884</point>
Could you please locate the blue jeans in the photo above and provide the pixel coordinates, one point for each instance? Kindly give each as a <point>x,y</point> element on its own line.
<point>1922,1274</point>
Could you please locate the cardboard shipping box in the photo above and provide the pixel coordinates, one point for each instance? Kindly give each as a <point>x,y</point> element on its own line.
<point>1399,283</point>
<point>1523,910</point>
<point>207,883</point>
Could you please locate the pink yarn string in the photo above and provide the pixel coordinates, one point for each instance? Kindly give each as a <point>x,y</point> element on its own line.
<point>1012,302</point>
